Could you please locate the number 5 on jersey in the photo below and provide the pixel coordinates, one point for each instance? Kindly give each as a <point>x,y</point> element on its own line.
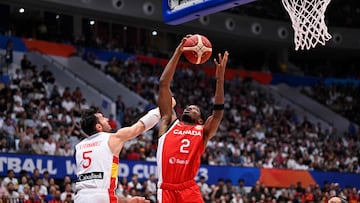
<point>87,159</point>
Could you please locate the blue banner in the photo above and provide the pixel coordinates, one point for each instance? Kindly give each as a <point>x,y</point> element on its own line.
<point>294,80</point>
<point>103,55</point>
<point>59,166</point>
<point>18,44</point>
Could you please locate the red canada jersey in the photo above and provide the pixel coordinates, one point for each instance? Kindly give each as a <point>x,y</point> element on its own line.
<point>179,153</point>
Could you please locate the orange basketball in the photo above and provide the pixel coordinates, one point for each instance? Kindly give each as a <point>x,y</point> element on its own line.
<point>197,49</point>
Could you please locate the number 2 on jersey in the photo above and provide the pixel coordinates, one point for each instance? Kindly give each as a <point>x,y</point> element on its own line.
<point>184,147</point>
<point>87,158</point>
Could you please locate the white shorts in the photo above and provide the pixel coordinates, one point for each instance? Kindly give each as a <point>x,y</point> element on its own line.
<point>95,196</point>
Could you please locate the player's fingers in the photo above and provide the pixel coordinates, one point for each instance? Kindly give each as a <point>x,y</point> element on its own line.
<point>216,62</point>
<point>220,56</point>
<point>225,58</point>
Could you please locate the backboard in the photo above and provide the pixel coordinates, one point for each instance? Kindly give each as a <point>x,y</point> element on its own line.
<point>180,11</point>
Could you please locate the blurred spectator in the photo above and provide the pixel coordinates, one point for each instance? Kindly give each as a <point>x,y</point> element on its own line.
<point>12,191</point>
<point>26,192</point>
<point>46,75</point>
<point>66,93</point>
<point>91,59</point>
<point>77,95</point>
<point>46,179</point>
<point>26,64</point>
<point>120,109</point>
<point>354,196</point>
<point>84,105</point>
<point>240,187</point>
<point>23,182</point>
<point>150,157</point>
<point>134,183</point>
<point>51,196</point>
<point>67,104</point>
<point>204,189</point>
<point>9,131</point>
<point>132,153</point>
<point>38,145</point>
<point>236,159</point>
<point>67,150</point>
<point>50,146</point>
<point>43,191</point>
<point>3,190</point>
<point>238,198</point>
<point>68,194</point>
<point>151,187</point>
<point>112,67</point>
<point>55,92</point>
<point>65,184</point>
<point>9,55</point>
<point>10,178</point>
<point>35,175</point>
<point>4,146</point>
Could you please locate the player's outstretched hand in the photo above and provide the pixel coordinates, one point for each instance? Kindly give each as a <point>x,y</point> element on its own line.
<point>220,64</point>
<point>180,47</point>
<point>138,200</point>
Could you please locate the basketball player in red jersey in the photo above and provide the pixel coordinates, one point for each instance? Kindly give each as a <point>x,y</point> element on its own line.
<point>181,143</point>
<point>97,157</point>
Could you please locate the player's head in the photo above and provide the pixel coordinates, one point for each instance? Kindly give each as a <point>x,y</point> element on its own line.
<point>193,114</point>
<point>93,121</point>
<point>337,200</point>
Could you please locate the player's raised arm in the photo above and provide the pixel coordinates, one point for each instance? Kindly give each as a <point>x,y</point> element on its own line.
<point>213,122</point>
<point>145,123</point>
<point>165,96</point>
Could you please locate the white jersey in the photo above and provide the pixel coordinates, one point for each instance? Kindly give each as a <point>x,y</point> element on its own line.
<point>96,166</point>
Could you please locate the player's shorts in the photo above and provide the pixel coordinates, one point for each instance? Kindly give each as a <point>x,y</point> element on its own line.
<point>187,192</point>
<point>95,196</point>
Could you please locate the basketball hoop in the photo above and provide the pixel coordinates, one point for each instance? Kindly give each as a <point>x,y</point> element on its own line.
<point>308,22</point>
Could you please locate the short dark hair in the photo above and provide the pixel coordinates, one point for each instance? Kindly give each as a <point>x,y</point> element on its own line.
<point>88,121</point>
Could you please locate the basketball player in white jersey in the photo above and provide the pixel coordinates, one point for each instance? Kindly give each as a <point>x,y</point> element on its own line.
<point>97,157</point>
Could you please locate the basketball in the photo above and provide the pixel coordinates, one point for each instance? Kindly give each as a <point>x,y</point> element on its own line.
<point>197,49</point>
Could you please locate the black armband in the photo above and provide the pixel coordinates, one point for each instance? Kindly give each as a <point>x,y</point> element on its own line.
<point>218,107</point>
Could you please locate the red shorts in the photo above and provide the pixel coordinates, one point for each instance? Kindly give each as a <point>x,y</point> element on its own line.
<point>187,192</point>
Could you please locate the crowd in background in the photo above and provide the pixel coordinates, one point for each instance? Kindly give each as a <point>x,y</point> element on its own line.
<point>38,117</point>
<point>342,98</point>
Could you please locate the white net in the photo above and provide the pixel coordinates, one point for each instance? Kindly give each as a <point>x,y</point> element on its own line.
<point>308,22</point>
